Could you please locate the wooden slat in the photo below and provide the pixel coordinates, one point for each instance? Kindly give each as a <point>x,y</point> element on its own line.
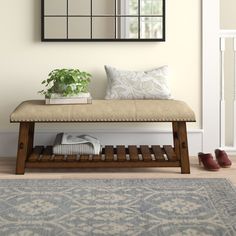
<point>58,158</point>
<point>71,158</point>
<point>170,153</point>
<point>96,158</point>
<point>121,153</point>
<point>145,153</point>
<point>47,154</point>
<point>84,158</point>
<point>36,153</point>
<point>109,153</point>
<point>133,153</point>
<point>157,151</point>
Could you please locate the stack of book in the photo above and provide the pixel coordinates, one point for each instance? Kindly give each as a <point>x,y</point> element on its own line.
<point>82,98</point>
<point>71,144</point>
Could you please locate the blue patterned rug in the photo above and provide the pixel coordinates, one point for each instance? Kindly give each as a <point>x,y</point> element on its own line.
<point>165,207</point>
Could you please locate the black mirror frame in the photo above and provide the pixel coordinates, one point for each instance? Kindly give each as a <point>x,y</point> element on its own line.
<point>43,39</point>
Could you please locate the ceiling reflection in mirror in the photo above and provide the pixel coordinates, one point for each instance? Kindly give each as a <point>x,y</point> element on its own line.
<point>103,20</point>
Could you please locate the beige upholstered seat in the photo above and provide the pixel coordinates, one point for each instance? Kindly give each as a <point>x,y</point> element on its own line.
<point>104,111</point>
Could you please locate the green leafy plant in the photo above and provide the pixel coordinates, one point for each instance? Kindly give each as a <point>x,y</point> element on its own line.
<point>66,82</point>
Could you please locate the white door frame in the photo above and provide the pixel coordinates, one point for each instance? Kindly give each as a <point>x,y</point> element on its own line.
<point>210,74</point>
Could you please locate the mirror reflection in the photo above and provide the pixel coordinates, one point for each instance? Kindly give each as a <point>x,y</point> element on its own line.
<point>103,7</point>
<point>103,20</point>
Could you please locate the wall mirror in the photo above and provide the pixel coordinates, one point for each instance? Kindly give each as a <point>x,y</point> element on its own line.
<point>103,20</point>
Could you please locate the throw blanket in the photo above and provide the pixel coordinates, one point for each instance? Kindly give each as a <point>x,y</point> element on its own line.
<point>70,144</point>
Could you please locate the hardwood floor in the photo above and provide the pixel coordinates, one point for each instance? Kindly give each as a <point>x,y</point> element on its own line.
<point>7,171</point>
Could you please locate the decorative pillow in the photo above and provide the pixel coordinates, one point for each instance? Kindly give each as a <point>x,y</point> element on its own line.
<point>137,84</point>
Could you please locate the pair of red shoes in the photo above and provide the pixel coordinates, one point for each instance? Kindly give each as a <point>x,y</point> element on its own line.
<point>222,160</point>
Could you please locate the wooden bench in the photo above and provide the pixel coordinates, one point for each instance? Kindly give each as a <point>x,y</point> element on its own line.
<point>177,112</point>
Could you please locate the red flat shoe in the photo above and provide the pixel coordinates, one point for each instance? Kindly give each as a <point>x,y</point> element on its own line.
<point>208,162</point>
<point>222,158</point>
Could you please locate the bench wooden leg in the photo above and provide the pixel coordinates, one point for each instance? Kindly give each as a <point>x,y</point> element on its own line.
<point>181,145</point>
<point>175,128</point>
<point>25,145</point>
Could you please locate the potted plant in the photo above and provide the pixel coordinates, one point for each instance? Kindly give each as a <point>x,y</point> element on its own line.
<point>66,83</point>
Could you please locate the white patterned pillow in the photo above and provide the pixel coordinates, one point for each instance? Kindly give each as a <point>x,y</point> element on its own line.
<point>150,84</point>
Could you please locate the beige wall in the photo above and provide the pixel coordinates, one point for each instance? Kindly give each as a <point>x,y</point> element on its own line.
<point>25,61</point>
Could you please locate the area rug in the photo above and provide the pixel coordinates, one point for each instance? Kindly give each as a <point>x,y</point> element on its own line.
<point>165,207</point>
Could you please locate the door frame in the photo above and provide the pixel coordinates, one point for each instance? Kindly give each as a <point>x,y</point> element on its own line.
<point>210,74</point>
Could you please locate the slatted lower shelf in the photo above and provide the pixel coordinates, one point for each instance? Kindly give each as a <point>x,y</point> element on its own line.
<point>111,157</point>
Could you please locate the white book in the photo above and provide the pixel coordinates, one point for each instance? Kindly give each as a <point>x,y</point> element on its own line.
<point>79,95</point>
<point>69,100</point>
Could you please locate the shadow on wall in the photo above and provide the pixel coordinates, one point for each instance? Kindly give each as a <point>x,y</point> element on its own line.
<point>36,20</point>
<point>98,81</point>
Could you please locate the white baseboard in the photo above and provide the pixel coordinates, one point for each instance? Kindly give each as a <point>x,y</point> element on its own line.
<point>8,140</point>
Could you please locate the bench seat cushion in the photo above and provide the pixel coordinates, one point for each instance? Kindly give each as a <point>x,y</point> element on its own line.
<point>104,111</point>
